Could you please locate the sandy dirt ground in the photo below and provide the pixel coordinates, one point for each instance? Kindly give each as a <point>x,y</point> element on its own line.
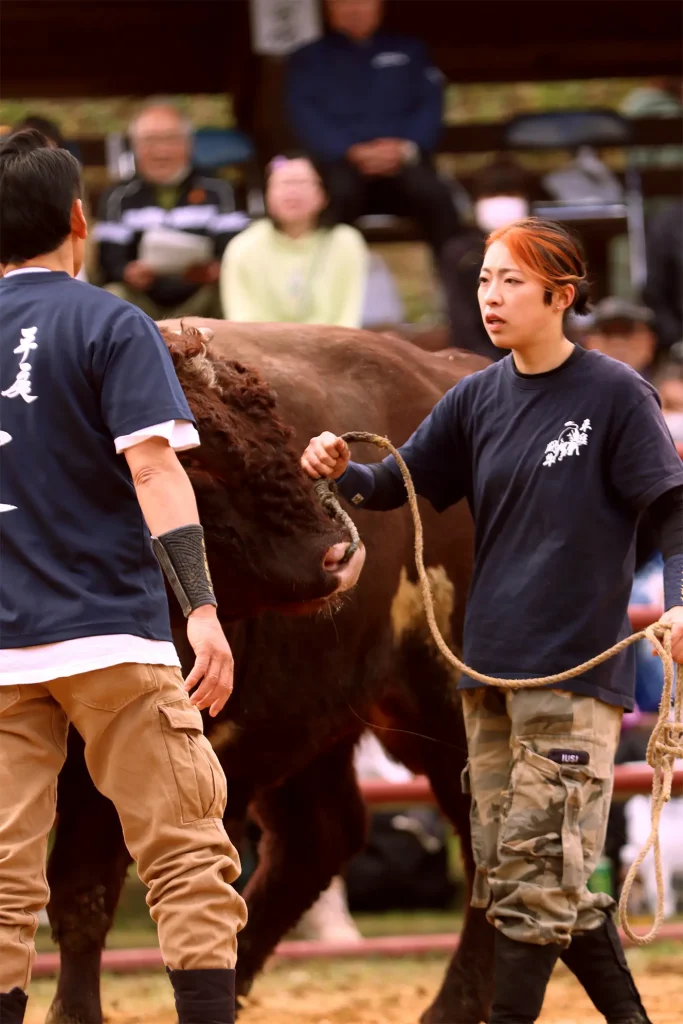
<point>370,992</point>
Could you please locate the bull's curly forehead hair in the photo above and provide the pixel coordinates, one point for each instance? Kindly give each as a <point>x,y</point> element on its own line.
<point>243,434</point>
<point>548,252</point>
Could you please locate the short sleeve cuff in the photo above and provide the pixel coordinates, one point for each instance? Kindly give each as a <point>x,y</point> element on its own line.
<point>180,434</point>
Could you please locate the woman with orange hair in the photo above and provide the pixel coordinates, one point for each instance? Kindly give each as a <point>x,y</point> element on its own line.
<point>558,451</point>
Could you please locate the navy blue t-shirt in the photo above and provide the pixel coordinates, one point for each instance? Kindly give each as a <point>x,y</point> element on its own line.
<point>78,367</point>
<point>556,469</point>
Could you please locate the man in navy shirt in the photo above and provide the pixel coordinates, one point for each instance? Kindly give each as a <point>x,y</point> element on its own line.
<point>91,413</point>
<point>368,105</point>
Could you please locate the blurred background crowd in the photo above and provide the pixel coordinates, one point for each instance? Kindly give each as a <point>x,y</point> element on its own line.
<point>363,220</point>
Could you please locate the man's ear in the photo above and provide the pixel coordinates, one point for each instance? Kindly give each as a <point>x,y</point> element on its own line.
<point>79,225</point>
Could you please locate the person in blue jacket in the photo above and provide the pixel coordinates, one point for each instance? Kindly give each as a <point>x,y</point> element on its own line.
<point>368,105</point>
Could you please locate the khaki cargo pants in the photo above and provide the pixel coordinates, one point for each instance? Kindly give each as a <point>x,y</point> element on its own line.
<point>145,750</point>
<point>541,773</point>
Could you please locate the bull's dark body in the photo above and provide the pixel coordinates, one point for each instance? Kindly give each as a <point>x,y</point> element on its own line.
<point>303,683</point>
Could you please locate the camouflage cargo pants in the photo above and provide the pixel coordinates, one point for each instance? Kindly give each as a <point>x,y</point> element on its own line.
<point>541,772</point>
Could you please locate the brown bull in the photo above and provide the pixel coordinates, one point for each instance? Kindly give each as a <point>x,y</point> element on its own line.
<point>305,684</point>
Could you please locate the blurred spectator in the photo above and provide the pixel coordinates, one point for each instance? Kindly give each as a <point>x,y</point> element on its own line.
<point>502,193</point>
<point>368,105</point>
<point>291,266</point>
<point>624,331</point>
<point>664,288</point>
<point>169,212</point>
<point>669,382</point>
<point>49,129</point>
<point>659,97</point>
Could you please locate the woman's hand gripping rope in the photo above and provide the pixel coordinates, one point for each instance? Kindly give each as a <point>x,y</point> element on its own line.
<point>666,742</point>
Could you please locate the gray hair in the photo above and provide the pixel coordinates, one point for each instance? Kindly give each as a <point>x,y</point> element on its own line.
<point>164,103</point>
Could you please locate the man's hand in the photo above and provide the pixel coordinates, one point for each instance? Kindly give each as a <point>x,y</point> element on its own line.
<point>379,158</point>
<point>389,154</point>
<point>358,154</point>
<point>214,667</point>
<point>326,456</point>
<point>674,617</point>
<point>204,273</point>
<point>138,275</point>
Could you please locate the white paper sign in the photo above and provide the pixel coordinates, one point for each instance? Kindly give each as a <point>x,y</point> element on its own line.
<point>280,26</point>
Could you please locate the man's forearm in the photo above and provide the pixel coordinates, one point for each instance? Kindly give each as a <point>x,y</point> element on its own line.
<point>166,498</point>
<point>170,510</point>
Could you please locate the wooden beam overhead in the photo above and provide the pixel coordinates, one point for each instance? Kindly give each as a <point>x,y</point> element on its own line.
<point>61,48</point>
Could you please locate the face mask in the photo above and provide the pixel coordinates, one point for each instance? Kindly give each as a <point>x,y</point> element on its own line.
<point>498,211</point>
<point>674,421</point>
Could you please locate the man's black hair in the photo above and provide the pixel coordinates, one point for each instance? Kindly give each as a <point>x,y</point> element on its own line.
<point>38,185</point>
<point>50,129</point>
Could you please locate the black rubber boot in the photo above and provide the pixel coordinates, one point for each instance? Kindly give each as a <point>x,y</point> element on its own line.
<point>521,974</point>
<point>597,960</point>
<point>204,997</point>
<point>13,1006</point>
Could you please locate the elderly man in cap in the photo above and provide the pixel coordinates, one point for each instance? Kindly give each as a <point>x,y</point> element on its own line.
<point>624,331</point>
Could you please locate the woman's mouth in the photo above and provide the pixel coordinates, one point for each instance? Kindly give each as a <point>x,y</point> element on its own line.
<point>493,322</point>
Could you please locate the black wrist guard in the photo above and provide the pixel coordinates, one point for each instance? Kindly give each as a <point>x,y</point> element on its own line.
<point>182,556</point>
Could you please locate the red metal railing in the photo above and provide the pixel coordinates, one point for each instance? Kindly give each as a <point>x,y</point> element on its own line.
<point>132,961</point>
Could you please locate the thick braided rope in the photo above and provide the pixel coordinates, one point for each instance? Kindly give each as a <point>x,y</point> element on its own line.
<point>666,741</point>
<point>666,744</point>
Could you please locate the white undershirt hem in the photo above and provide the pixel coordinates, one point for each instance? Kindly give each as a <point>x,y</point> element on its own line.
<point>47,662</point>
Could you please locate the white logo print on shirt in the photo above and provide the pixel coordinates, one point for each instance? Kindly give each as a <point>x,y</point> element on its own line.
<point>22,385</point>
<point>571,438</point>
<point>390,60</point>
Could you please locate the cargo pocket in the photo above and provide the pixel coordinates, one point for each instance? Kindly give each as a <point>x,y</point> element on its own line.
<point>553,820</point>
<point>199,779</point>
<point>481,894</point>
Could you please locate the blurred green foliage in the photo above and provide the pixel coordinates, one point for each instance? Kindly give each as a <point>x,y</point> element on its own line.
<point>464,103</point>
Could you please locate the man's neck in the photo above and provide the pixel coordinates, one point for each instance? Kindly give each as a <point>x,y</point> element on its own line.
<point>358,40</point>
<point>60,259</point>
<point>175,180</point>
